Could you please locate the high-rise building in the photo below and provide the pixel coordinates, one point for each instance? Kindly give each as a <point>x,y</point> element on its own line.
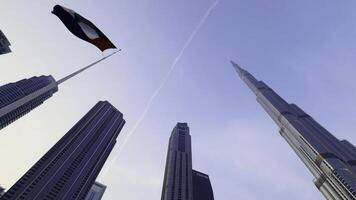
<point>331,161</point>
<point>69,169</point>
<point>19,98</point>
<point>96,192</point>
<point>202,189</point>
<point>4,44</point>
<point>178,183</point>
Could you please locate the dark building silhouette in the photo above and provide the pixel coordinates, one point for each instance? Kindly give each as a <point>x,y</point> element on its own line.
<point>2,190</point>
<point>69,169</point>
<point>19,98</point>
<point>202,189</point>
<point>331,161</point>
<point>4,44</point>
<point>178,174</point>
<point>178,183</point>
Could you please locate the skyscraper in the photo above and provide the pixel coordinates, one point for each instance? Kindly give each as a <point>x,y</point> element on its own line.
<point>202,189</point>
<point>19,98</point>
<point>96,192</point>
<point>4,44</point>
<point>178,183</point>
<point>69,169</point>
<point>16,99</point>
<point>331,161</point>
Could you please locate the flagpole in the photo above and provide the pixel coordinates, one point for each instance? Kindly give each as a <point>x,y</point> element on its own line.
<point>85,68</point>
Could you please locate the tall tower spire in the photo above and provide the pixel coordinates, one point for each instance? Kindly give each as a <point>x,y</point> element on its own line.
<point>331,161</point>
<point>238,69</point>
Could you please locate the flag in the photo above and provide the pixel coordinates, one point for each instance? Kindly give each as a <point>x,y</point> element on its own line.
<point>82,28</point>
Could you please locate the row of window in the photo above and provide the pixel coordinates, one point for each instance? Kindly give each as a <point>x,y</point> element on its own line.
<point>38,167</point>
<point>22,110</point>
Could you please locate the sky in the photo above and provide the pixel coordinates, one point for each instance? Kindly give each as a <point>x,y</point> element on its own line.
<point>304,50</point>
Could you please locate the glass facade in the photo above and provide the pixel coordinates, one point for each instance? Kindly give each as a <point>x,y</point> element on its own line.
<point>331,161</point>
<point>19,98</point>
<point>202,189</point>
<point>69,169</point>
<point>178,183</point>
<point>178,174</point>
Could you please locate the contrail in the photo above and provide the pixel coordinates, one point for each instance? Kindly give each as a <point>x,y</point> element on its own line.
<point>159,88</point>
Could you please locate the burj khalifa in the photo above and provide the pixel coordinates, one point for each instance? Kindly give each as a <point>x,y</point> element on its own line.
<point>331,161</point>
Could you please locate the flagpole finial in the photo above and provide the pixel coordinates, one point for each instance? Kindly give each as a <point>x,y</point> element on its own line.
<point>84,68</point>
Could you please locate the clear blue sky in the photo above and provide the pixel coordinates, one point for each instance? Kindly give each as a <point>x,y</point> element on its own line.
<point>303,49</point>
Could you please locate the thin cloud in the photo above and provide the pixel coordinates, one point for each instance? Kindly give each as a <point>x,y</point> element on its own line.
<point>159,88</point>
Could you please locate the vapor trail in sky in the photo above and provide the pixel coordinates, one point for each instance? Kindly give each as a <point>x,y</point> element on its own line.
<point>159,88</point>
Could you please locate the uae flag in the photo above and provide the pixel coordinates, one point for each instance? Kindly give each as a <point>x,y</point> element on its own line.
<point>82,28</point>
